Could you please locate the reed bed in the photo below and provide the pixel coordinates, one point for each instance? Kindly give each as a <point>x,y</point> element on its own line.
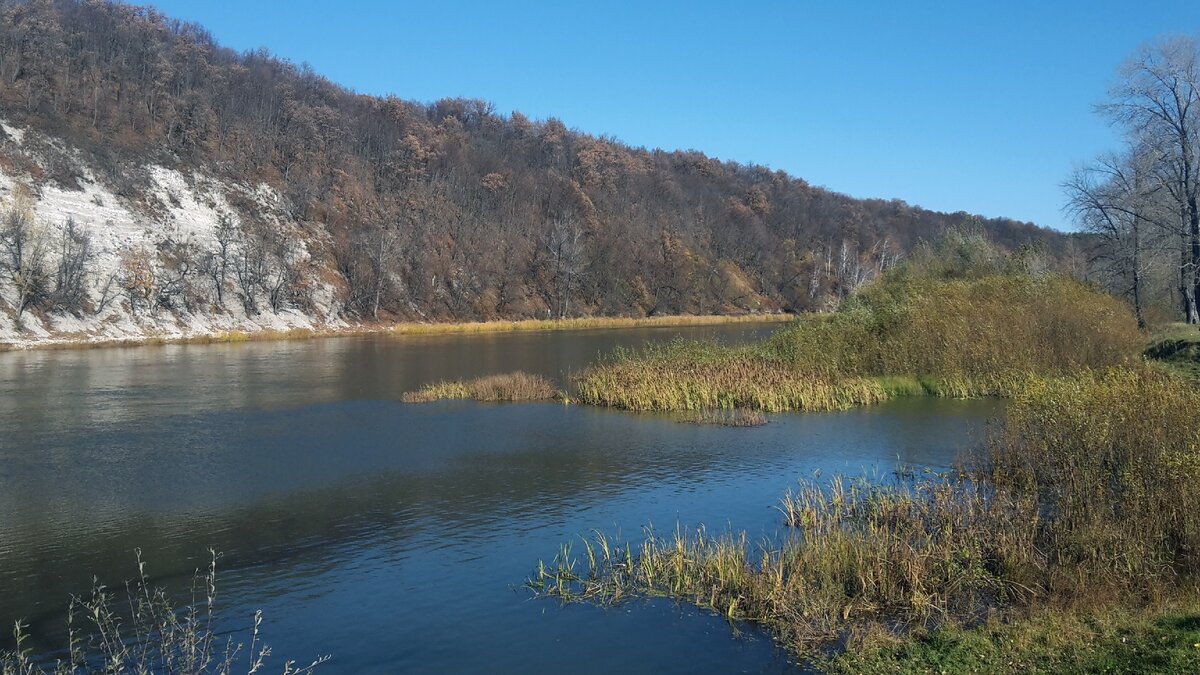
<point>509,387</point>
<point>1085,498</point>
<point>903,336</point>
<point>139,629</point>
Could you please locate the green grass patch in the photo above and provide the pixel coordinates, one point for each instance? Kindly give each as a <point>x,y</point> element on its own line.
<point>1176,347</point>
<point>1152,640</point>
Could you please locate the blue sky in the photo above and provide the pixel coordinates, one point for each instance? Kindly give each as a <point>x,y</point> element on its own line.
<point>974,106</point>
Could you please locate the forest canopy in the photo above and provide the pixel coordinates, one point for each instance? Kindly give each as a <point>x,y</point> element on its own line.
<point>450,209</point>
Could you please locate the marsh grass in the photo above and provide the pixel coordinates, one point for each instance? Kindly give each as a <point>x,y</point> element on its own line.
<point>902,336</point>
<point>509,387</point>
<point>1084,499</point>
<point>139,629</point>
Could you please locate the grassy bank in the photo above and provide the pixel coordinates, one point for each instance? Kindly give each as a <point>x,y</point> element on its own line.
<point>400,330</point>
<point>905,335</point>
<point>1084,501</point>
<point>1155,639</point>
<point>1176,347</point>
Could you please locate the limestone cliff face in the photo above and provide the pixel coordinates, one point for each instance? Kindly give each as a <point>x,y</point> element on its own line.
<point>179,256</point>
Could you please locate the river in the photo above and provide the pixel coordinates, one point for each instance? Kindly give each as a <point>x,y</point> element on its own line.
<point>396,537</point>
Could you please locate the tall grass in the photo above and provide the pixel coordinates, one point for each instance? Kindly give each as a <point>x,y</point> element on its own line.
<point>580,323</point>
<point>139,629</point>
<point>1086,496</point>
<point>904,335</point>
<point>517,386</point>
<point>72,342</point>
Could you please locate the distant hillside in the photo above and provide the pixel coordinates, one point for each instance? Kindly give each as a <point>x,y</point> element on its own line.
<point>243,190</point>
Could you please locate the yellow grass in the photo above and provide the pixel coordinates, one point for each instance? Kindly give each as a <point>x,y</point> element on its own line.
<point>957,338</point>
<point>516,386</point>
<point>401,330</point>
<point>584,323</point>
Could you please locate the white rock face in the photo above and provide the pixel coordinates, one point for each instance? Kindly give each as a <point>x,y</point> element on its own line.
<point>172,209</point>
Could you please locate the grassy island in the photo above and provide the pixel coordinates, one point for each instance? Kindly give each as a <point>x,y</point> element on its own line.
<point>1071,543</point>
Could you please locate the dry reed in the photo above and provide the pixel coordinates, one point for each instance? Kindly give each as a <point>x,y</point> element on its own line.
<point>509,387</point>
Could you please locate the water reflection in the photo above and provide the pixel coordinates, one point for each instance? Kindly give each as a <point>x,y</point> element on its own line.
<point>391,535</point>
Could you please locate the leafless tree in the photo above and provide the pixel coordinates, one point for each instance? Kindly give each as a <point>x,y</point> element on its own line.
<point>564,247</point>
<point>75,256</point>
<point>369,267</point>
<point>214,262</point>
<point>1117,200</point>
<point>23,257</point>
<point>1157,100</point>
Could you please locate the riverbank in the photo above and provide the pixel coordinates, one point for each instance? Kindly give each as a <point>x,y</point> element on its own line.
<point>1083,504</point>
<point>901,336</point>
<point>394,330</point>
<point>1158,639</point>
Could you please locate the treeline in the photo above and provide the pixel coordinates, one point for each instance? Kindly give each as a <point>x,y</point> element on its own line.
<point>1143,201</point>
<point>441,210</point>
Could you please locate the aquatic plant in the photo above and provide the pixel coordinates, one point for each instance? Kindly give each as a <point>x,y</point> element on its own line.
<point>1085,497</point>
<point>139,629</point>
<point>516,386</point>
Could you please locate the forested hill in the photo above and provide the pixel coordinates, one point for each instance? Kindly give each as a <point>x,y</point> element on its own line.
<point>252,185</point>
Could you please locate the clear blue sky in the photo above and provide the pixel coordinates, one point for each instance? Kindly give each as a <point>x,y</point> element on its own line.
<point>973,106</point>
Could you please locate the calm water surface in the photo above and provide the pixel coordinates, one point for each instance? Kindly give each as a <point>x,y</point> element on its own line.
<point>395,537</point>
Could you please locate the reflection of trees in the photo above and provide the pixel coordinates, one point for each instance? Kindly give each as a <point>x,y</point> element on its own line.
<point>458,475</point>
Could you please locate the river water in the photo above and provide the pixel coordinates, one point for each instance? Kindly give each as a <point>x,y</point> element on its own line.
<point>396,537</point>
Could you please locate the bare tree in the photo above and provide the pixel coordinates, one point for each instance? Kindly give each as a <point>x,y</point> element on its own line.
<point>250,270</point>
<point>74,265</point>
<point>1116,199</point>
<point>1157,99</point>
<point>23,255</point>
<point>214,263</point>
<point>369,268</point>
<point>564,246</point>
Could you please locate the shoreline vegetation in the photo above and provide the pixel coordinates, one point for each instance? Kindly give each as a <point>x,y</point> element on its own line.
<point>903,336</point>
<point>1082,507</point>
<point>1080,514</point>
<point>404,329</point>
<point>139,628</point>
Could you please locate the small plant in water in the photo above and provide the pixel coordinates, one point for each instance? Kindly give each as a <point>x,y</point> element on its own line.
<point>143,631</point>
<point>518,386</point>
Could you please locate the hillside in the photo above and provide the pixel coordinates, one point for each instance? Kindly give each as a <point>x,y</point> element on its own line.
<point>153,182</point>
